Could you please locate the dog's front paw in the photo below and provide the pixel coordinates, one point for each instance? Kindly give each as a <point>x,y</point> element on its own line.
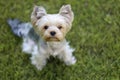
<point>70,61</point>
<point>38,61</point>
<point>39,67</point>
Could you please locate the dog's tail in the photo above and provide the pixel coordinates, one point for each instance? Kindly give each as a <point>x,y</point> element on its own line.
<point>19,28</point>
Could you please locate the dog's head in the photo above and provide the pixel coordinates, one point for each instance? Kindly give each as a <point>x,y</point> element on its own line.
<point>52,27</point>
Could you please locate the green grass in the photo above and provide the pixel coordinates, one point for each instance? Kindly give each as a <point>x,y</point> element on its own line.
<point>95,35</point>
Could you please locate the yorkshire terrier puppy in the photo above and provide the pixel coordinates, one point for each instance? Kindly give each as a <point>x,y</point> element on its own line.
<point>45,37</point>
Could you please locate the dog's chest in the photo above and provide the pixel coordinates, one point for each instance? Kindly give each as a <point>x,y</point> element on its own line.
<point>54,48</point>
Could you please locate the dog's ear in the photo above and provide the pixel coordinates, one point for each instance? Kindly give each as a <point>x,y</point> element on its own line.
<point>66,11</point>
<point>37,13</point>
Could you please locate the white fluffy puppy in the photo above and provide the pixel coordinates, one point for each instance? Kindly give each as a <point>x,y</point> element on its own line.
<point>45,37</point>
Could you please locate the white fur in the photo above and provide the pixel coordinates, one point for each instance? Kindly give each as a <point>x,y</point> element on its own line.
<point>42,52</point>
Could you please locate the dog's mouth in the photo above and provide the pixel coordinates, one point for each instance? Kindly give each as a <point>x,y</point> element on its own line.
<point>52,39</point>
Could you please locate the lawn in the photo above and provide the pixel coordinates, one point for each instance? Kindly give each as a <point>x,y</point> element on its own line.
<point>95,35</point>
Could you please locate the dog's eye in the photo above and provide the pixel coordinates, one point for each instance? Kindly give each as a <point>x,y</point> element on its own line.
<point>59,27</point>
<point>46,27</point>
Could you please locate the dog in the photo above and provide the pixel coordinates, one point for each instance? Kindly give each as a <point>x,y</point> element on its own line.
<point>45,35</point>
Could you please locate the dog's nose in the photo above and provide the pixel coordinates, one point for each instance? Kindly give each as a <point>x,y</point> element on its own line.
<point>52,33</point>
